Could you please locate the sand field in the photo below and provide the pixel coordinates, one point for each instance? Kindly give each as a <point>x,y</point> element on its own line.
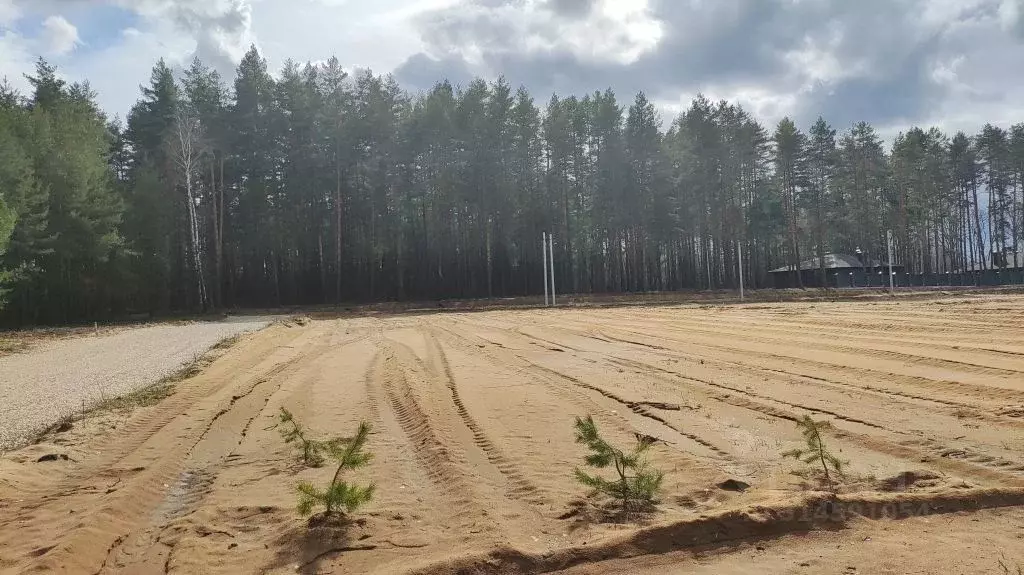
<point>473,441</point>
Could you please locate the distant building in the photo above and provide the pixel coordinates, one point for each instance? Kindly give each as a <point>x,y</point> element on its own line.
<point>841,270</point>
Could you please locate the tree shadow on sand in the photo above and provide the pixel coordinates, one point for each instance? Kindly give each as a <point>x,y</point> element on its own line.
<point>304,547</point>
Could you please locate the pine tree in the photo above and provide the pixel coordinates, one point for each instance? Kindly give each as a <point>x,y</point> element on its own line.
<point>791,179</point>
<point>340,496</point>
<point>816,452</point>
<point>293,432</point>
<point>69,145</point>
<point>24,206</point>
<point>153,224</point>
<point>636,483</point>
<point>821,168</point>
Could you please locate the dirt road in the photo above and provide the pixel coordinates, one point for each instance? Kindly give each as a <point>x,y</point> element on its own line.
<point>64,377</point>
<point>473,439</point>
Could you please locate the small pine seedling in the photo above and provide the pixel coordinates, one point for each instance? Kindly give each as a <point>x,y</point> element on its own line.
<point>340,496</point>
<point>636,482</point>
<point>293,432</point>
<point>816,452</point>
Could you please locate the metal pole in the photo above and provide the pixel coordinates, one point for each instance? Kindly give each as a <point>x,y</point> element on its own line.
<point>739,247</point>
<point>888,237</point>
<point>544,255</point>
<point>707,260</point>
<point>551,261</point>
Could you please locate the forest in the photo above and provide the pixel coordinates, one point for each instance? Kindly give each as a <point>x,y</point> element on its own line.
<point>310,186</point>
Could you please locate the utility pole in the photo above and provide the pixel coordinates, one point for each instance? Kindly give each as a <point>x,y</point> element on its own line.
<point>551,261</point>
<point>544,255</point>
<point>888,239</point>
<point>707,260</point>
<point>739,248</point>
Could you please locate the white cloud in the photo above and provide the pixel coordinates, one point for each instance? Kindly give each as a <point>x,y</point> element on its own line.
<point>885,61</point>
<point>611,32</point>
<point>116,72</point>
<point>9,13</point>
<point>1009,14</point>
<point>59,35</point>
<point>15,60</point>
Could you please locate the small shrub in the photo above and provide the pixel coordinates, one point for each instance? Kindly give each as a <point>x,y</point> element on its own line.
<point>816,452</point>
<point>636,482</point>
<point>340,497</point>
<point>293,432</point>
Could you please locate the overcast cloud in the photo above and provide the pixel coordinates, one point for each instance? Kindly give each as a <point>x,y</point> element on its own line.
<point>952,63</point>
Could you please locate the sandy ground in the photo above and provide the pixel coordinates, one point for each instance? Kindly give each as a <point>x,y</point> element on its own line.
<point>63,377</point>
<point>472,416</point>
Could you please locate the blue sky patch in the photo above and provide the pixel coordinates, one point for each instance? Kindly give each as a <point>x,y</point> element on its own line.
<point>99,25</point>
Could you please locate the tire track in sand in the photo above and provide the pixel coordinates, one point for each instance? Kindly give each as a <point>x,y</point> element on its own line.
<point>519,486</point>
<point>956,388</point>
<point>966,462</point>
<point>1007,416</point>
<point>580,392</point>
<point>155,446</point>
<point>437,460</point>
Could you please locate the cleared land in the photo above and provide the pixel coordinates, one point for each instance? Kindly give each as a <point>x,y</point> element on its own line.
<point>64,377</point>
<point>472,416</point>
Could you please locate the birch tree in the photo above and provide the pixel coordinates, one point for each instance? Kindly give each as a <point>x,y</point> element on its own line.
<point>187,152</point>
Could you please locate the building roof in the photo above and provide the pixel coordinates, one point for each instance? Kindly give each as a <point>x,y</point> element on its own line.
<point>832,262</point>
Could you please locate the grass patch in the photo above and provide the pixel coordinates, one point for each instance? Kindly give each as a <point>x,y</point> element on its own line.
<point>8,346</point>
<point>145,397</point>
<point>227,342</point>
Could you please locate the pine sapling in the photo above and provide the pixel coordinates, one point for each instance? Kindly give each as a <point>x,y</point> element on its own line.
<point>293,432</point>
<point>816,452</point>
<point>636,482</point>
<point>340,497</point>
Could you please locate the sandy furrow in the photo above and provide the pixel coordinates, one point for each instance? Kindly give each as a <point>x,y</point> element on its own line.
<point>519,486</point>
<point>770,401</point>
<point>808,364</point>
<point>683,450</point>
<point>927,352</point>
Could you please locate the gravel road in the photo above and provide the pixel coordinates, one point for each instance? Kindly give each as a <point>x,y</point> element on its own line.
<point>44,384</point>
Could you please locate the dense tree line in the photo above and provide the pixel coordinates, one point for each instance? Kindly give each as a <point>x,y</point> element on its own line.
<point>313,187</point>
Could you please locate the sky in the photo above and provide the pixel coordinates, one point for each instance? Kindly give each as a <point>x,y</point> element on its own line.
<point>955,64</point>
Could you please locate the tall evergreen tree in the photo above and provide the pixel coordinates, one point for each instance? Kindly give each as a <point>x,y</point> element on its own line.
<point>309,186</point>
<point>821,164</point>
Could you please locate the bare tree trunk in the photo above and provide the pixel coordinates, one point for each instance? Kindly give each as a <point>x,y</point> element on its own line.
<point>187,156</point>
<point>337,215</point>
<point>217,220</point>
<point>982,263</point>
<point>220,237</point>
<point>490,262</point>
<point>197,256</point>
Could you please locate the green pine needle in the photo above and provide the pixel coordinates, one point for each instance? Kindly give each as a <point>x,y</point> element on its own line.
<point>816,452</point>
<point>636,482</point>
<point>339,496</point>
